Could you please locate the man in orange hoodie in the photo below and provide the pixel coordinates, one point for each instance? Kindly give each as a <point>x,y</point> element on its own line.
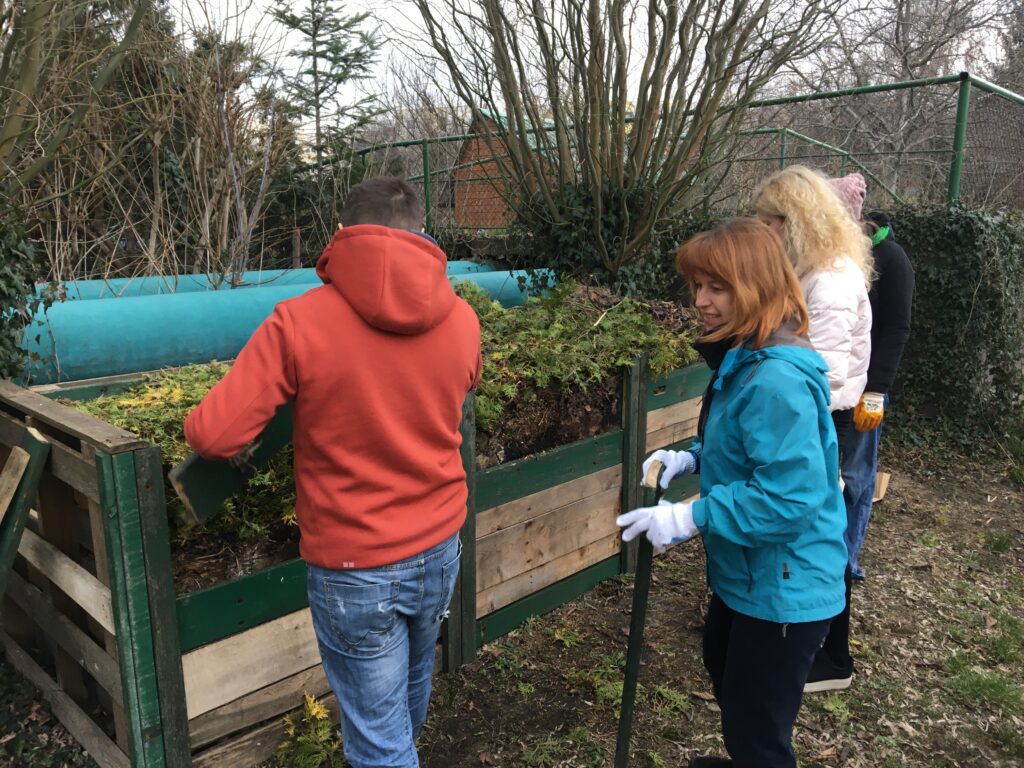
<point>377,362</point>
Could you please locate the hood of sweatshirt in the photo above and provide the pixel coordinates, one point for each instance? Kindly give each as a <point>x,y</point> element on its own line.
<point>394,279</point>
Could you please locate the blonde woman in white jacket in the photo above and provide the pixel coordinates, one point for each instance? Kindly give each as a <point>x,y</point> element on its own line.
<point>832,256</point>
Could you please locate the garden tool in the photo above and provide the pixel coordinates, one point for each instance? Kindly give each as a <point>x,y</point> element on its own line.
<point>641,586</point>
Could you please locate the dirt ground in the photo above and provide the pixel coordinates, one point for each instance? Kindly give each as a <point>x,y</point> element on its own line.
<point>938,628</point>
<point>938,632</point>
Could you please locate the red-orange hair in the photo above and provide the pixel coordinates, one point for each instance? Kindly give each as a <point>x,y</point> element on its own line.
<point>748,257</point>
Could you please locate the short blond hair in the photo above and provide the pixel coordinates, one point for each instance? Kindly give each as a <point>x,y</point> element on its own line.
<point>818,229</point>
<point>747,256</point>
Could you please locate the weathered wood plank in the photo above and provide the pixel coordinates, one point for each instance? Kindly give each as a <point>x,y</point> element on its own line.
<point>79,724</point>
<point>256,746</point>
<point>59,518</point>
<point>225,609</point>
<point>529,545</point>
<point>80,585</point>
<point>65,463</point>
<point>90,389</point>
<point>228,669</point>
<point>253,708</point>
<point>129,590</point>
<point>515,479</point>
<point>673,414</point>
<point>82,648</point>
<point>515,512</point>
<point>156,551</point>
<point>81,425</point>
<point>525,584</point>
<point>10,476</point>
<point>671,435</point>
<point>506,619</point>
<point>203,485</point>
<point>681,384</point>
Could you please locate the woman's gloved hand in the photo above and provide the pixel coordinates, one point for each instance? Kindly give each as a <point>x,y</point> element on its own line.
<point>869,411</point>
<point>677,464</point>
<point>664,524</point>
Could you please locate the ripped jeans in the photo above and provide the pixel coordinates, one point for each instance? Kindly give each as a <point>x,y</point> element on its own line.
<point>377,629</point>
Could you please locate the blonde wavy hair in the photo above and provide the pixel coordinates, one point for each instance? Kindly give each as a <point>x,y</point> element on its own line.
<point>818,229</point>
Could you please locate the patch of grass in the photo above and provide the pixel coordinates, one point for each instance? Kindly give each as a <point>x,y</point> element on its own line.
<point>975,685</point>
<point>1010,741</point>
<point>1006,644</point>
<point>666,701</point>
<point>998,543</point>
<point>654,760</point>
<point>527,689</point>
<point>569,638</point>
<point>928,539</point>
<point>604,680</point>
<point>578,744</point>
<point>545,754</point>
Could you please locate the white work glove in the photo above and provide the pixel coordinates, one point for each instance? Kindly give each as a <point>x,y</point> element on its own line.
<point>664,524</point>
<point>677,464</point>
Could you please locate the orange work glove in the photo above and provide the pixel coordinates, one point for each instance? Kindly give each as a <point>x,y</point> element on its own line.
<point>869,411</point>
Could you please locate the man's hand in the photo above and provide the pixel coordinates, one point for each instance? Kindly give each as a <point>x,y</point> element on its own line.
<point>869,412</point>
<point>242,461</point>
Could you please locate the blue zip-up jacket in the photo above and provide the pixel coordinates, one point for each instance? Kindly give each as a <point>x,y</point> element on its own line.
<point>771,512</point>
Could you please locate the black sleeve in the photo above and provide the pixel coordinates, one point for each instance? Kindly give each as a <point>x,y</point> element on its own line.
<point>891,322</point>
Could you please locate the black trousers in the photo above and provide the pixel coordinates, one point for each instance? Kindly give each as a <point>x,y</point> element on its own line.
<point>758,670</point>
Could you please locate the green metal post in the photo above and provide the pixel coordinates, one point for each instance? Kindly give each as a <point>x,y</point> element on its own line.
<point>425,145</point>
<point>844,160</point>
<point>782,149</point>
<point>634,447</point>
<point>959,138</point>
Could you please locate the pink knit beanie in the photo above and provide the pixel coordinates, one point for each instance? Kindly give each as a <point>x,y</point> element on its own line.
<point>850,190</point>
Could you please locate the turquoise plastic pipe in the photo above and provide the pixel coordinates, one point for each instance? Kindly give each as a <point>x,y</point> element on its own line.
<point>166,284</point>
<point>87,339</point>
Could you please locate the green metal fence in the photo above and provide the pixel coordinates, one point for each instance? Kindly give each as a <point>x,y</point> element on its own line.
<point>955,138</point>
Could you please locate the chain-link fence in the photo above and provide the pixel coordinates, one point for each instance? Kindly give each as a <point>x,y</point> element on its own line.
<point>923,142</point>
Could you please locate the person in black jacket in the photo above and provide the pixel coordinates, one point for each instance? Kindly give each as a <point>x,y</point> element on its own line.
<point>891,294</point>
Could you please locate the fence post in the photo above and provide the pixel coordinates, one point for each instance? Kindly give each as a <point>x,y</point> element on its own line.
<point>634,446</point>
<point>959,138</point>
<point>425,146</point>
<point>782,149</point>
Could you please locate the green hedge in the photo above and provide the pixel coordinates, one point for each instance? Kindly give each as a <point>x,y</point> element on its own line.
<point>963,362</point>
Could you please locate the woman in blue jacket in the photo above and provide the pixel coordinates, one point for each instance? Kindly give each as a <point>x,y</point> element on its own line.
<point>770,512</point>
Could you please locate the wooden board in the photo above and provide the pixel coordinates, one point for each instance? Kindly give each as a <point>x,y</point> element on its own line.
<point>527,583</point>
<point>674,414</point>
<point>76,582</point>
<point>881,486</point>
<point>253,708</point>
<point>515,512</point>
<point>65,463</point>
<point>79,724</point>
<point>526,546</point>
<point>228,669</point>
<point>10,476</point>
<point>72,422</point>
<point>671,435</point>
<point>91,657</point>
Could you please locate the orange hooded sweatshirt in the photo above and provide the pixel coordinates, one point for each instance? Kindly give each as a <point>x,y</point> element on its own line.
<point>378,362</point>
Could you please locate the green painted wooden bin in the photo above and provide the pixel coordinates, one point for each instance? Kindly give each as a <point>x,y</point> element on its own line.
<point>204,678</point>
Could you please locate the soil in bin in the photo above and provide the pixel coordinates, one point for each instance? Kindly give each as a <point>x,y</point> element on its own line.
<point>537,421</point>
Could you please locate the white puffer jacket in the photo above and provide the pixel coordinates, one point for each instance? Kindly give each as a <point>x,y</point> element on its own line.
<point>840,315</point>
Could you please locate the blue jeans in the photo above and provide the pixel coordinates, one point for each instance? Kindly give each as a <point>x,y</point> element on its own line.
<point>377,629</point>
<point>858,463</point>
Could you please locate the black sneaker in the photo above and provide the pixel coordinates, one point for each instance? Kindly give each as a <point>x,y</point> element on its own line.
<point>710,762</point>
<point>826,675</point>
